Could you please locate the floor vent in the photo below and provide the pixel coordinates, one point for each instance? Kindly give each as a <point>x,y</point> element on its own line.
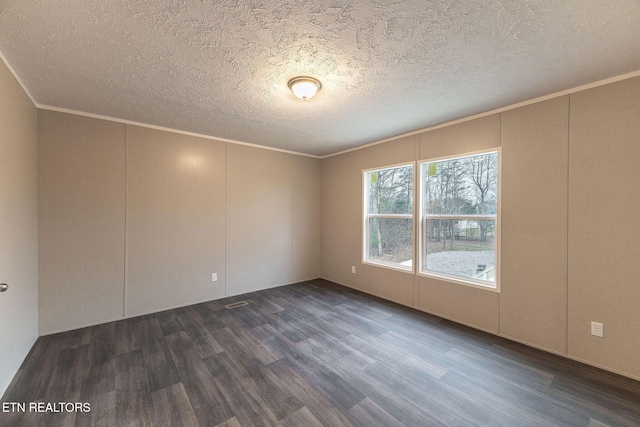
<point>237,304</point>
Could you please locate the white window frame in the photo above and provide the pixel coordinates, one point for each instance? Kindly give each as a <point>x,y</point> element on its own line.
<point>366,218</point>
<point>421,254</point>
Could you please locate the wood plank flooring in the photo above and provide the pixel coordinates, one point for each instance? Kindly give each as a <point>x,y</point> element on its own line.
<point>309,354</point>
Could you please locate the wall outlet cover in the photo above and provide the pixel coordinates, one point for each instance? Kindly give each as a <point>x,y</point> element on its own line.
<point>597,329</point>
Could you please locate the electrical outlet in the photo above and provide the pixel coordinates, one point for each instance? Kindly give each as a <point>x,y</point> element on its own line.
<point>214,277</point>
<point>353,269</point>
<point>597,329</point>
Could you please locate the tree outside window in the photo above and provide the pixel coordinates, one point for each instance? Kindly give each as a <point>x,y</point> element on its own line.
<point>388,227</point>
<point>459,213</point>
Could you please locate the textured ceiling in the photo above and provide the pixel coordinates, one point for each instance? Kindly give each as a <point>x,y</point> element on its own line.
<point>387,67</point>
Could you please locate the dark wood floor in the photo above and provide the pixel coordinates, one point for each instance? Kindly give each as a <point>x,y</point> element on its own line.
<point>310,354</point>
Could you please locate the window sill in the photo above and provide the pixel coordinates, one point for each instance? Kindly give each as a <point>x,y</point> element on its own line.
<point>389,266</point>
<point>460,281</point>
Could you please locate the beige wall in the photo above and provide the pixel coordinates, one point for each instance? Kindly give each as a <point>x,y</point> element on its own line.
<point>18,226</point>
<point>569,174</point>
<point>341,218</point>
<point>470,306</point>
<point>81,216</point>
<point>342,224</point>
<point>569,235</point>
<point>535,148</point>
<point>273,219</point>
<point>135,220</point>
<point>175,236</point>
<point>604,230</point>
<point>373,279</point>
<point>307,218</point>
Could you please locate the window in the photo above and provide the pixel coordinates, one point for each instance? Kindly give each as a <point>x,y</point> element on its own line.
<point>459,218</point>
<point>388,217</point>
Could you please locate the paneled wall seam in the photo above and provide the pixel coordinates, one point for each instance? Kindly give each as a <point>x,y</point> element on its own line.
<point>566,325</point>
<point>320,263</point>
<point>499,260</point>
<point>126,265</point>
<point>293,213</point>
<point>416,223</point>
<point>226,197</point>
<point>38,210</point>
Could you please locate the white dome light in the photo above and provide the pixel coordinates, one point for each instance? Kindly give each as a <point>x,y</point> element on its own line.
<point>304,87</point>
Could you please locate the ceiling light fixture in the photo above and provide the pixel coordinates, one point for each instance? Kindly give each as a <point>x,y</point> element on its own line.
<point>304,87</point>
